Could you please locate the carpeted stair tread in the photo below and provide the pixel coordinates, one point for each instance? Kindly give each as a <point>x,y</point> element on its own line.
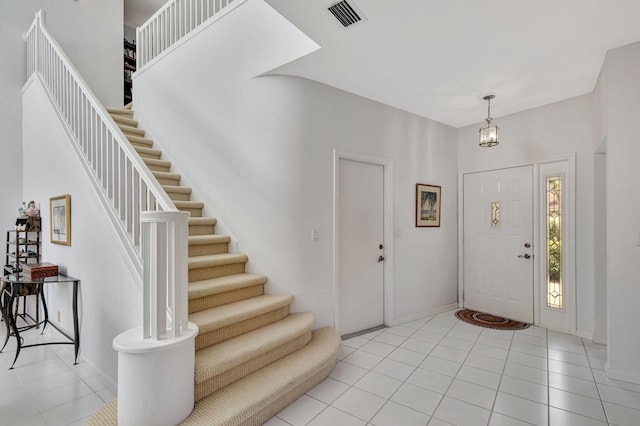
<point>125,120</point>
<point>166,175</point>
<point>202,225</point>
<point>131,130</point>
<point>107,415</point>
<point>216,260</point>
<point>232,313</point>
<point>120,111</point>
<point>176,192</point>
<point>189,204</point>
<point>174,188</point>
<point>157,163</point>
<point>219,285</point>
<point>227,288</point>
<point>224,356</point>
<point>259,396</point>
<point>140,140</point>
<point>195,240</point>
<point>148,152</point>
<point>203,221</point>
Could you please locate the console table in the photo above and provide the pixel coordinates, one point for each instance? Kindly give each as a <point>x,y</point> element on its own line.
<point>11,287</point>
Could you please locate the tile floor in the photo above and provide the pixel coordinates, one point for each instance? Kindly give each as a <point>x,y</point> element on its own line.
<point>435,371</point>
<point>441,371</point>
<point>45,388</point>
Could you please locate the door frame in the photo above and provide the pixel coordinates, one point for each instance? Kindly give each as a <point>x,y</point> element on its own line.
<point>539,253</point>
<point>387,165</point>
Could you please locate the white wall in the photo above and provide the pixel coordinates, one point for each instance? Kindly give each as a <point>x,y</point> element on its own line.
<point>110,298</point>
<point>619,109</point>
<point>259,153</point>
<point>600,248</point>
<point>90,32</point>
<point>557,129</point>
<point>600,209</point>
<point>129,33</point>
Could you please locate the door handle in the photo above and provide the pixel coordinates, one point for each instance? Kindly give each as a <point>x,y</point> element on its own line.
<point>380,258</point>
<point>526,256</point>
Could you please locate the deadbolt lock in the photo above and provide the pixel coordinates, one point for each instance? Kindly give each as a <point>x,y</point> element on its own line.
<point>527,245</point>
<point>380,246</point>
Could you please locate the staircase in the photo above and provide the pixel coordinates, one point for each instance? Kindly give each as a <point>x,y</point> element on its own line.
<point>253,357</point>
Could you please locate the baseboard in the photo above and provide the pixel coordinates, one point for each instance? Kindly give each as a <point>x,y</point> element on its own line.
<point>444,308</point>
<point>424,314</point>
<point>612,373</point>
<point>110,384</point>
<point>585,334</point>
<point>600,339</point>
<point>561,330</point>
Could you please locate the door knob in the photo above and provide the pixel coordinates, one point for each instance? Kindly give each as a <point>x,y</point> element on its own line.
<point>526,256</point>
<point>380,258</point>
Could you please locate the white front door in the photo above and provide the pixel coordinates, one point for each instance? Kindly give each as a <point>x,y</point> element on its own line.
<point>360,246</point>
<point>498,242</point>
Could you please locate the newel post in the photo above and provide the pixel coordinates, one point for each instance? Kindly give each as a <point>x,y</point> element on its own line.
<point>156,361</point>
<point>165,273</point>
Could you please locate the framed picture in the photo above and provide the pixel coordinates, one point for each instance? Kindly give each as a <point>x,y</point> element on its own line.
<point>60,219</point>
<point>427,205</point>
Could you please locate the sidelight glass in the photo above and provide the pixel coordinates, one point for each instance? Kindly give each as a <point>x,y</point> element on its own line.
<point>554,242</point>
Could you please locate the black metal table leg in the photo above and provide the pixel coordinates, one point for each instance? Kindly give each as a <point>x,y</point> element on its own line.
<point>12,319</point>
<point>44,306</point>
<point>3,307</point>
<point>76,326</point>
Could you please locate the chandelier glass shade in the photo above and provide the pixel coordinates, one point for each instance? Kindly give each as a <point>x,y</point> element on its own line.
<point>489,133</point>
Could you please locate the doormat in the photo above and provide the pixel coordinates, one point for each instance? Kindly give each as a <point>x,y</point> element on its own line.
<point>489,321</point>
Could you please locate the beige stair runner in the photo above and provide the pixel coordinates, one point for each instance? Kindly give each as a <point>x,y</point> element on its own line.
<point>253,357</point>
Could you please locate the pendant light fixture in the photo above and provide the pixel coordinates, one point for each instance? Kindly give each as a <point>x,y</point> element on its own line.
<point>489,133</point>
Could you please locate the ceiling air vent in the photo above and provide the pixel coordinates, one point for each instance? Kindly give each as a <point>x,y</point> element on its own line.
<point>347,14</point>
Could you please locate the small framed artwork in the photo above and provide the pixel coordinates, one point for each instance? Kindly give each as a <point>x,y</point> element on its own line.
<point>60,219</point>
<point>427,205</point>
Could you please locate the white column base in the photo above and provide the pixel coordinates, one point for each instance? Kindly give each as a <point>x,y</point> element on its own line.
<point>155,378</point>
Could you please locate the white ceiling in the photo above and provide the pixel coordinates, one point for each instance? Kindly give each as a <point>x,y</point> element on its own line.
<point>438,58</point>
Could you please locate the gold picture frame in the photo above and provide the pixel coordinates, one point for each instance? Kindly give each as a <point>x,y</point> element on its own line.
<point>60,219</point>
<point>428,200</point>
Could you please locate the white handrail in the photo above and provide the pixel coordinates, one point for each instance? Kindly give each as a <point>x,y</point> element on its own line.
<point>170,23</point>
<point>126,185</point>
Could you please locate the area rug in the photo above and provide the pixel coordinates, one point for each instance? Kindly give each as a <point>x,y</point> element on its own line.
<point>489,321</point>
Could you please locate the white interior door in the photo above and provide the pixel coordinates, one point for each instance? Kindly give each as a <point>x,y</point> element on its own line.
<point>360,246</point>
<point>498,239</point>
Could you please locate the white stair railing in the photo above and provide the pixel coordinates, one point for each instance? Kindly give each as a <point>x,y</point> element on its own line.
<point>172,22</point>
<point>124,183</point>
